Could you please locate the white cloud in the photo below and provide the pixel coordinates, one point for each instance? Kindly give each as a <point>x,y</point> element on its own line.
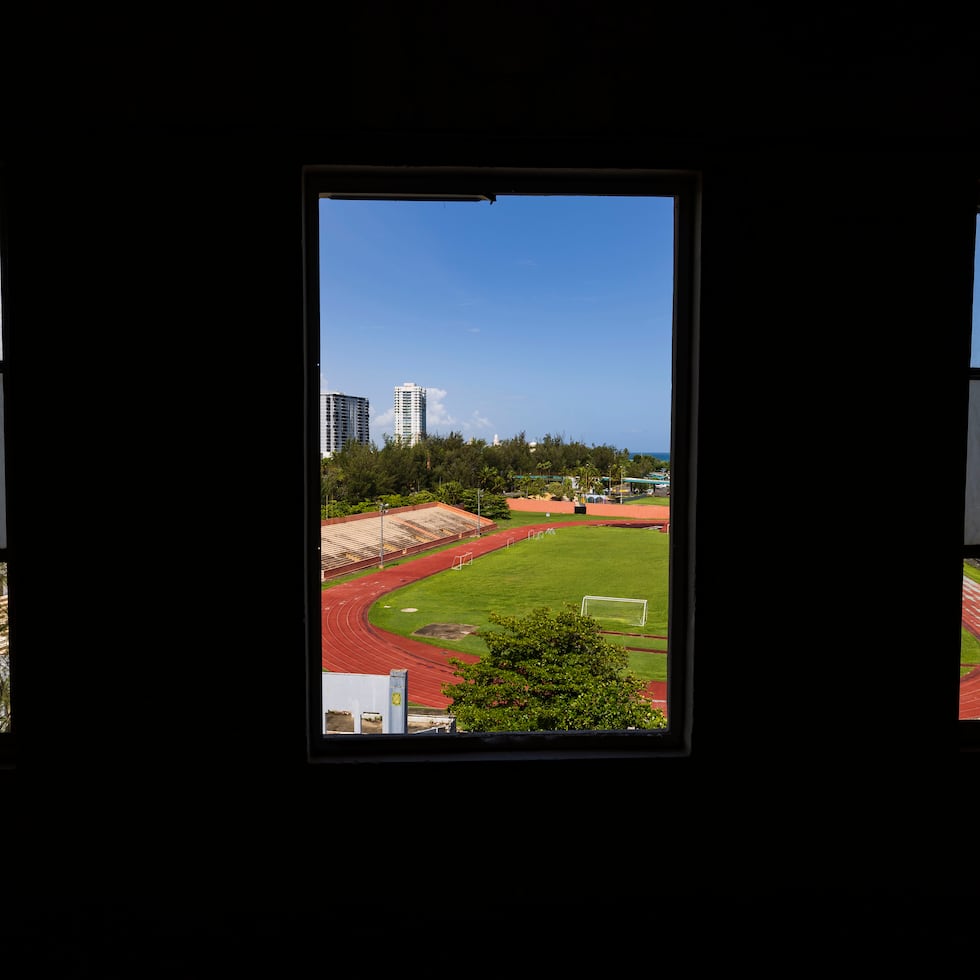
<point>439,419</point>
<point>436,414</point>
<point>478,421</point>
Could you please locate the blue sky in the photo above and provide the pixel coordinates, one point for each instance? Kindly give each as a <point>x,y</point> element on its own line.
<point>541,315</point>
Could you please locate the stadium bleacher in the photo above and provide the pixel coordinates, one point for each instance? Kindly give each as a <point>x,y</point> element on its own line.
<point>348,543</point>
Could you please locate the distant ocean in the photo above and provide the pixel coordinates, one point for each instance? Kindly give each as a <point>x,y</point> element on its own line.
<point>665,456</point>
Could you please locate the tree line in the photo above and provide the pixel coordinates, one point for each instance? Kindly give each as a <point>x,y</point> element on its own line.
<point>471,474</point>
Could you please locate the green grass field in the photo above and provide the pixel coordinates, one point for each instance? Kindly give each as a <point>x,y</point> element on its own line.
<point>519,520</point>
<point>624,566</point>
<point>969,644</point>
<point>550,570</point>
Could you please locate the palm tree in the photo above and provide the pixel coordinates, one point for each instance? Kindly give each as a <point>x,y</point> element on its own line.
<point>588,476</point>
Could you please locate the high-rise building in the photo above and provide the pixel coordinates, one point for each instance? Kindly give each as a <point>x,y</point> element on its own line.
<point>342,418</point>
<point>409,413</point>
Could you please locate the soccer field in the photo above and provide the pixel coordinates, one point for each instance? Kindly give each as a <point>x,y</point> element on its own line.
<point>552,570</point>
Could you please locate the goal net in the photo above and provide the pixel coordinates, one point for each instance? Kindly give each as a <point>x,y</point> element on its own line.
<point>612,609</point>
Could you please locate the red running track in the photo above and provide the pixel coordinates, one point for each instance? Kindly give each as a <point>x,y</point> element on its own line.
<point>351,645</point>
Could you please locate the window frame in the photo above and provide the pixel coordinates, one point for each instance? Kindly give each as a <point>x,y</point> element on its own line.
<point>7,739</point>
<point>482,183</point>
<point>969,728</point>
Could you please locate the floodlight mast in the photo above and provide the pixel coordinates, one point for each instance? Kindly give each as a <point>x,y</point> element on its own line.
<point>382,508</point>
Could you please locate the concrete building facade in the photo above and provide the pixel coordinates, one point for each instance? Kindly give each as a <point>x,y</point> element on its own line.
<point>409,413</point>
<point>342,418</point>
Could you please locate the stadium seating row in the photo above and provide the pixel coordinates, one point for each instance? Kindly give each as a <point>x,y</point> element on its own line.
<point>349,541</point>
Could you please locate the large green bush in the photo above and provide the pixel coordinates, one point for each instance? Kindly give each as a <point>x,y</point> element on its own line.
<point>549,671</point>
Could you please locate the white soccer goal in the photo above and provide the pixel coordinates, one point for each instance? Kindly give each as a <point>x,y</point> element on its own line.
<point>460,560</point>
<point>629,612</point>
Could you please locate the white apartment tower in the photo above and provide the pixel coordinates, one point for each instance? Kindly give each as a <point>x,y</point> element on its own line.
<point>409,413</point>
<point>342,418</point>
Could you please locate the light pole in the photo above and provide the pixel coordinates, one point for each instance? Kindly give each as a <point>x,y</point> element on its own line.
<point>622,476</point>
<point>382,509</point>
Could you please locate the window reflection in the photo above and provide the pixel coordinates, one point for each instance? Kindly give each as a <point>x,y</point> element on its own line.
<point>4,653</point>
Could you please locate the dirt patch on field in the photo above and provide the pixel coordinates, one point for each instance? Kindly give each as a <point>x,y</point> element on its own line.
<point>446,631</point>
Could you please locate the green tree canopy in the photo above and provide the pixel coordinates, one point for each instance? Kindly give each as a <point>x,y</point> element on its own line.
<point>361,473</point>
<point>492,506</point>
<point>549,671</point>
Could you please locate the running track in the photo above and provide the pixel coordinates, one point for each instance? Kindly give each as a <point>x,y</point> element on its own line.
<point>351,645</point>
<point>970,683</point>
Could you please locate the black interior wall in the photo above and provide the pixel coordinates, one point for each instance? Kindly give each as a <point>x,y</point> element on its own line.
<point>153,304</point>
